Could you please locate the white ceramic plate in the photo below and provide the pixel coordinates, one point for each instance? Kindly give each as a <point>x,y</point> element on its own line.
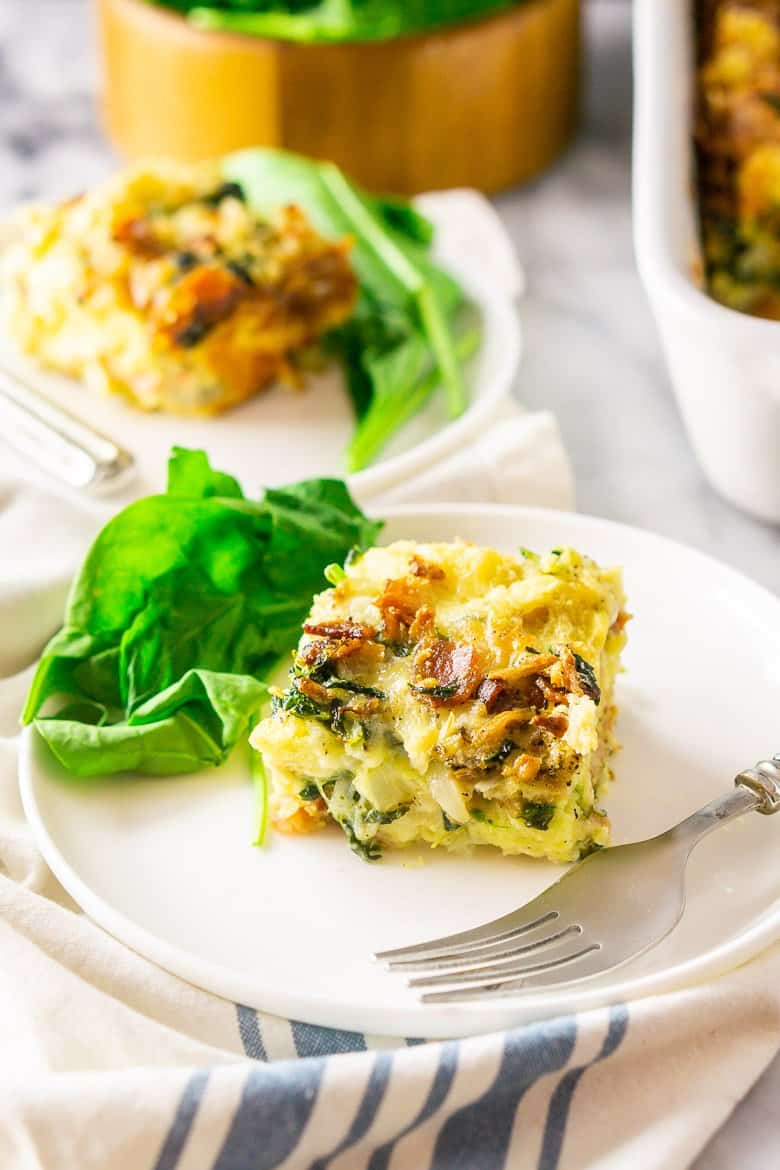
<point>282,436</point>
<point>166,865</point>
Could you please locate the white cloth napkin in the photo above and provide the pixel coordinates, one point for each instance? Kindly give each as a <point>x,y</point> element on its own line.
<point>519,459</point>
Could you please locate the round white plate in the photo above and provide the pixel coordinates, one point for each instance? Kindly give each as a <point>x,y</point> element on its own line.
<point>283,435</point>
<point>166,865</point>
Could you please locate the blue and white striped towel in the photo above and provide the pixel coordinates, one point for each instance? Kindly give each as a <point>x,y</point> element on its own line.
<point>109,1063</point>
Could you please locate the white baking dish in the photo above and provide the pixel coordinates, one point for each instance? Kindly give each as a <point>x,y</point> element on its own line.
<point>725,366</point>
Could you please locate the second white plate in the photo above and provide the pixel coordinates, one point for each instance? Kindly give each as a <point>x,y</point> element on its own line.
<point>281,435</point>
<point>166,865</point>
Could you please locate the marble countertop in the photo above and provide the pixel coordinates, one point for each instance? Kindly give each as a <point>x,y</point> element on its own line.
<point>592,352</point>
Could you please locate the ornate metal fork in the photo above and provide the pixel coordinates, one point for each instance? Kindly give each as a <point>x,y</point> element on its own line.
<point>605,910</point>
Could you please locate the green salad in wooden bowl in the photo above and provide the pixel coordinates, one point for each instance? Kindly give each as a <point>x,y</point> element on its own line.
<point>333,20</point>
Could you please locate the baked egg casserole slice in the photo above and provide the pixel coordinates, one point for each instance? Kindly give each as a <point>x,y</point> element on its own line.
<point>163,286</point>
<point>454,696</point>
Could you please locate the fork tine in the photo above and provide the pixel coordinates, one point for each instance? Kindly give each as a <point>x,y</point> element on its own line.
<point>502,949</point>
<point>576,948</point>
<point>527,918</point>
<point>583,964</point>
<point>429,953</point>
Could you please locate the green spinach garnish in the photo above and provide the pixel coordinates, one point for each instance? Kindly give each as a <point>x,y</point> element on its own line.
<point>401,342</point>
<point>181,610</point>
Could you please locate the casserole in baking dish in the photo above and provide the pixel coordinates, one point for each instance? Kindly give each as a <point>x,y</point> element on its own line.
<point>724,364</point>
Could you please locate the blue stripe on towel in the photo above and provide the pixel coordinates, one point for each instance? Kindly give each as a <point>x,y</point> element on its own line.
<point>479,1134</point>
<point>560,1102</point>
<point>275,1106</point>
<point>445,1074</point>
<point>372,1099</point>
<point>181,1125</point>
<point>311,1040</point>
<point>249,1031</point>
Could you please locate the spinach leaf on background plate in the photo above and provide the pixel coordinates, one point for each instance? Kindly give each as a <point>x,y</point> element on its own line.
<point>400,343</point>
<point>184,604</point>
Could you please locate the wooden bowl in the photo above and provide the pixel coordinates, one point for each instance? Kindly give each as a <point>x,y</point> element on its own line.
<point>484,104</point>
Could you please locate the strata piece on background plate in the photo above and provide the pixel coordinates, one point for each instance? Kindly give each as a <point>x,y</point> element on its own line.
<point>164,286</point>
<point>452,695</point>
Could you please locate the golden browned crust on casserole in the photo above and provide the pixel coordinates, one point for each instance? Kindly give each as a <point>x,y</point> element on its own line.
<point>164,286</point>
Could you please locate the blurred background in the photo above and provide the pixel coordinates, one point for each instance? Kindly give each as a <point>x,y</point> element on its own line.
<point>592,353</point>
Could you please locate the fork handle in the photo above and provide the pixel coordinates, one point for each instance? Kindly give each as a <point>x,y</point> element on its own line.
<point>755,790</point>
<point>61,444</point>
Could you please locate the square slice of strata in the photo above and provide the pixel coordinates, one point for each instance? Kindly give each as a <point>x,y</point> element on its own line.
<point>455,696</point>
<point>164,286</point>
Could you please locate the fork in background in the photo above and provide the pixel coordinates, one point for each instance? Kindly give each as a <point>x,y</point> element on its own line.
<point>62,445</point>
<point>607,909</point>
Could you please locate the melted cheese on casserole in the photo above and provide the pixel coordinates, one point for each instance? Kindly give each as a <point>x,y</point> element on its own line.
<point>163,286</point>
<point>452,695</point>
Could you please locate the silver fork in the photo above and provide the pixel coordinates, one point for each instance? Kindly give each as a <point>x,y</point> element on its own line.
<point>607,909</point>
<point>62,445</point>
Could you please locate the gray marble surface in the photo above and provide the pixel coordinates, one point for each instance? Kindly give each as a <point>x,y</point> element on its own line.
<point>592,353</point>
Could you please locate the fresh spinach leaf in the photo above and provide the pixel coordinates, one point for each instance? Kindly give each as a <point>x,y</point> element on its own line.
<point>183,606</point>
<point>397,397</point>
<point>400,344</point>
<point>260,786</point>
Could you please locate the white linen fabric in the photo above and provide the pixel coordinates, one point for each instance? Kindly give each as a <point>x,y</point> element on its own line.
<point>109,1063</point>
